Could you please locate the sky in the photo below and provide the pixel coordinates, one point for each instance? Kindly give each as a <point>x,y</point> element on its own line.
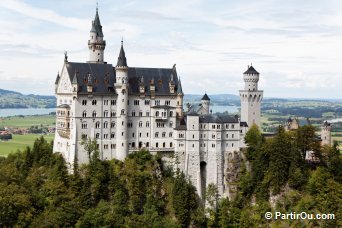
<point>295,45</point>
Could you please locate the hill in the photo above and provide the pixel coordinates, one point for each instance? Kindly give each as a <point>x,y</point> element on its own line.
<point>12,99</point>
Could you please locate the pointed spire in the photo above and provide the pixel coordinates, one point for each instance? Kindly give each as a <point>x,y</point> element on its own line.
<point>57,78</point>
<point>142,80</point>
<point>122,62</point>
<point>74,79</point>
<point>179,87</point>
<point>96,24</point>
<point>65,57</point>
<point>205,97</point>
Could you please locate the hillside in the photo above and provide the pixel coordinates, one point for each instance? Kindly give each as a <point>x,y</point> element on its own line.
<point>11,99</point>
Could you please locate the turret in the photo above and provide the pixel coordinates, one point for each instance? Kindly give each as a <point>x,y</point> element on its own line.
<point>251,79</point>
<point>96,44</point>
<point>326,133</point>
<point>74,83</point>
<point>180,94</point>
<point>121,87</point>
<point>205,102</point>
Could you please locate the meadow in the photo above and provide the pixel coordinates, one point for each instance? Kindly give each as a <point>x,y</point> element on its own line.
<point>27,121</point>
<point>20,142</point>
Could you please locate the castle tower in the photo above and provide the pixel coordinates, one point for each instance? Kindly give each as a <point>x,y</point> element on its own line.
<point>121,88</point>
<point>205,102</point>
<point>326,133</point>
<point>251,98</point>
<point>96,44</point>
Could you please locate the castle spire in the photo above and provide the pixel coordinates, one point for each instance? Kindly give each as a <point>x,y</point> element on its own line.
<point>179,87</point>
<point>96,43</point>
<point>122,61</point>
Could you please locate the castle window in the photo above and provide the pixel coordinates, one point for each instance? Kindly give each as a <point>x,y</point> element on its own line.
<point>94,114</point>
<point>97,135</point>
<point>156,134</point>
<point>167,102</point>
<point>171,144</point>
<point>193,145</point>
<point>157,102</point>
<point>84,114</point>
<point>193,136</point>
<point>157,145</point>
<point>94,102</point>
<point>105,146</point>
<point>84,136</point>
<point>112,135</point>
<point>218,126</point>
<point>147,124</point>
<point>140,134</point>
<point>132,135</point>
<point>122,135</point>
<point>97,125</point>
<point>170,134</point>
<point>112,124</point>
<point>133,113</point>
<point>140,113</point>
<point>105,113</point>
<point>105,102</point>
<point>157,113</point>
<point>147,113</point>
<point>147,134</point>
<point>147,144</point>
<point>130,124</point>
<point>140,124</point>
<point>112,114</point>
<point>122,123</point>
<point>227,136</point>
<point>227,126</point>
<point>232,144</point>
<point>105,125</point>
<point>136,102</point>
<point>232,126</point>
<point>112,146</point>
<point>105,136</point>
<point>213,136</point>
<point>123,112</point>
<point>213,126</point>
<point>171,124</point>
<point>232,135</point>
<point>163,145</point>
<point>163,134</point>
<point>84,125</point>
<point>133,144</point>
<point>147,102</point>
<point>113,102</point>
<point>84,102</point>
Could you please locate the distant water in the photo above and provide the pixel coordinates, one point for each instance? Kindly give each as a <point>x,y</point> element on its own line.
<point>25,111</point>
<point>224,108</point>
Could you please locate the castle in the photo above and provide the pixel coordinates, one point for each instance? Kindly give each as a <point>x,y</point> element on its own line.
<point>127,109</point>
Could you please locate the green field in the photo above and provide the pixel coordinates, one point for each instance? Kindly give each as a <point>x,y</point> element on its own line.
<point>20,142</point>
<point>27,121</point>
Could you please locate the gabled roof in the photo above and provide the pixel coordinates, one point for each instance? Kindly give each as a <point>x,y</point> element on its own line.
<point>251,70</point>
<point>214,118</point>
<point>205,97</point>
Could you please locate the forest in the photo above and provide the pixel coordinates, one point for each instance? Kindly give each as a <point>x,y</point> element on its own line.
<point>36,189</point>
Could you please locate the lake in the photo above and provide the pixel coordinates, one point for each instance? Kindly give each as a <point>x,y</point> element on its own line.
<point>25,111</point>
<point>42,111</point>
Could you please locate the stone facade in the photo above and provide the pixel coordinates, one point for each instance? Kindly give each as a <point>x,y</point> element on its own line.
<point>129,108</point>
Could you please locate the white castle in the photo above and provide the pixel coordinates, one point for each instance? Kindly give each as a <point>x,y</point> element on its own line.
<point>127,109</point>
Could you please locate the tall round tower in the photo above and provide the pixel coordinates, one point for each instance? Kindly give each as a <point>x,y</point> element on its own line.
<point>326,133</point>
<point>96,43</point>
<point>121,88</point>
<point>251,98</point>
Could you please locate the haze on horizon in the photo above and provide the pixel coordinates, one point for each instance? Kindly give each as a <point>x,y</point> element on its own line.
<point>296,46</point>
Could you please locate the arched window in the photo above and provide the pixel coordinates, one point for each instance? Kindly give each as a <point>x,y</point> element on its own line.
<point>105,113</point>
<point>157,113</point>
<point>156,134</point>
<point>97,124</point>
<point>94,102</point>
<point>163,134</point>
<point>84,114</point>
<point>170,134</point>
<point>123,112</point>
<point>133,144</point>
<point>97,135</point>
<point>105,125</point>
<point>112,124</point>
<point>94,113</point>
<point>171,124</point>
<point>163,145</point>
<point>171,113</point>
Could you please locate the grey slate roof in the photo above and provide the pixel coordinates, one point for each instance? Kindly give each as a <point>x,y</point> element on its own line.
<point>214,118</point>
<point>63,106</point>
<point>122,61</point>
<point>179,87</point>
<point>96,25</point>
<point>243,124</point>
<point>251,70</point>
<point>103,78</point>
<point>160,77</point>
<point>205,97</point>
